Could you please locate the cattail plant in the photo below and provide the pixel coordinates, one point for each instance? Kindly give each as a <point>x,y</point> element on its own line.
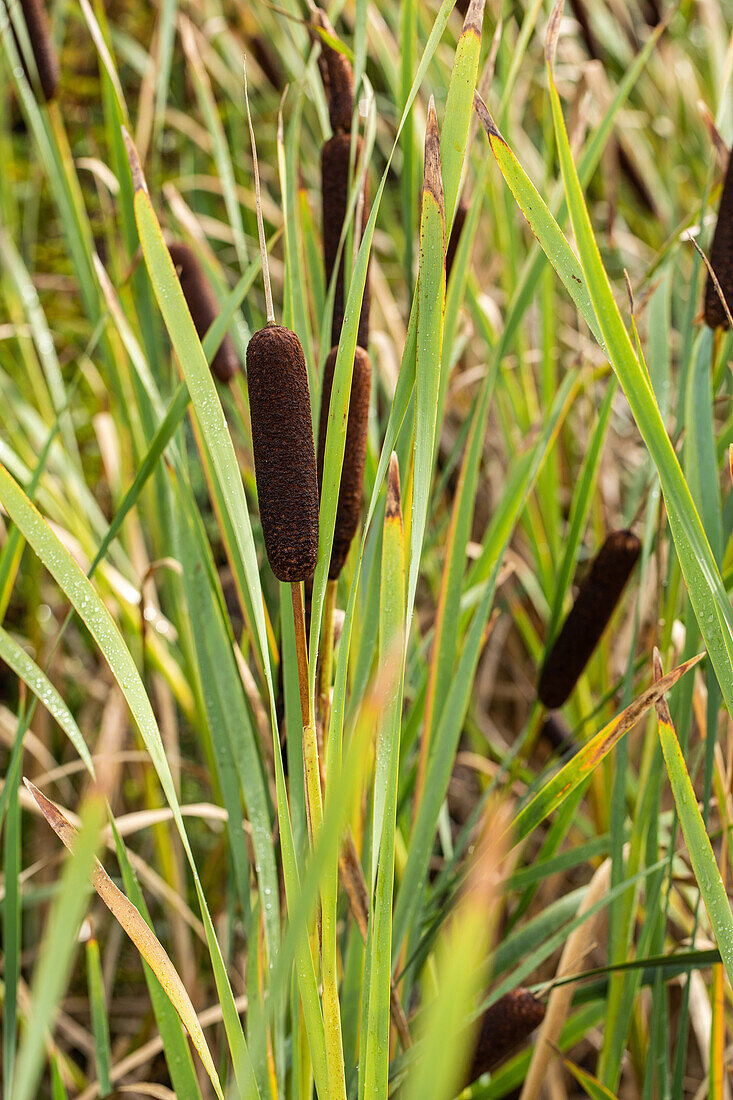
<point>44,51</point>
<point>504,1026</point>
<point>338,79</point>
<point>721,258</point>
<point>287,487</point>
<point>581,632</point>
<point>203,306</point>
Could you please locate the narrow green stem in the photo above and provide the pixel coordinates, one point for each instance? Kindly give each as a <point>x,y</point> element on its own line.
<point>329,882</point>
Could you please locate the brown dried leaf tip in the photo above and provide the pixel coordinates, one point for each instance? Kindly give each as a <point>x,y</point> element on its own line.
<point>485,118</point>
<point>204,308</point>
<point>432,177</point>
<point>136,171</point>
<point>504,1026</point>
<point>721,257</point>
<point>284,454</point>
<point>335,187</point>
<point>474,17</point>
<point>597,597</point>
<point>348,509</point>
<point>44,51</point>
<point>393,508</point>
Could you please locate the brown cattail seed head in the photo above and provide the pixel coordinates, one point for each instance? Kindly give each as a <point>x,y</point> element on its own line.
<point>338,79</point>
<point>44,52</point>
<point>505,1026</point>
<point>335,187</point>
<point>204,308</point>
<point>352,473</point>
<point>721,257</point>
<point>285,460</point>
<point>581,632</point>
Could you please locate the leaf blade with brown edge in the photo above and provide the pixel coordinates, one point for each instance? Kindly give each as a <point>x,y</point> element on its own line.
<point>700,849</point>
<point>430,310</point>
<point>590,755</point>
<point>131,922</point>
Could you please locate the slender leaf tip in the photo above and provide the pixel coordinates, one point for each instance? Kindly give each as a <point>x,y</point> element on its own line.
<point>394,506</point>
<point>63,828</point>
<point>474,20</point>
<point>432,179</point>
<point>485,116</point>
<point>661,705</point>
<point>138,179</point>
<point>553,33</point>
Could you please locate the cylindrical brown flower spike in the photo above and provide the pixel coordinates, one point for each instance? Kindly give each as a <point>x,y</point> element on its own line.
<point>721,257</point>
<point>352,473</point>
<point>44,52</point>
<point>581,632</point>
<point>204,308</point>
<point>284,454</point>
<point>335,187</point>
<point>338,81</point>
<point>504,1027</point>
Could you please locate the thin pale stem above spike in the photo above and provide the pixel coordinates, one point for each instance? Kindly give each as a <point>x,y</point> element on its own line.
<point>258,206</point>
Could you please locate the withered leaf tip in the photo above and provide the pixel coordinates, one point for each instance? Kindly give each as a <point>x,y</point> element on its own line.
<point>553,32</point>
<point>138,179</point>
<point>474,20</point>
<point>432,179</point>
<point>485,117</point>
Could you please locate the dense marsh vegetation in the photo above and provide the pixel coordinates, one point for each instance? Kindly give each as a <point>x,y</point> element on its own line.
<point>339,844</point>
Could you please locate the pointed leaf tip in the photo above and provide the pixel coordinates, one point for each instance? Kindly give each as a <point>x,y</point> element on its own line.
<point>138,179</point>
<point>485,117</point>
<point>474,20</point>
<point>433,180</point>
<point>553,33</point>
<point>60,824</point>
<point>661,706</point>
<point>394,505</point>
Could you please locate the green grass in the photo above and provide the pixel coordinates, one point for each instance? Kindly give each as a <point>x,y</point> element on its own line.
<point>148,674</point>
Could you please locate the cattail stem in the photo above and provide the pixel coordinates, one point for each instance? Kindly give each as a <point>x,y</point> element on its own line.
<point>258,205</point>
<point>329,882</point>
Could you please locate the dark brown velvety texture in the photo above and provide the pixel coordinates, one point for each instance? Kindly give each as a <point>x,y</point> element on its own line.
<point>721,256</point>
<point>204,308</point>
<point>352,473</point>
<point>505,1026</point>
<point>335,194</point>
<point>581,632</point>
<point>44,52</point>
<point>338,81</point>
<point>284,454</point>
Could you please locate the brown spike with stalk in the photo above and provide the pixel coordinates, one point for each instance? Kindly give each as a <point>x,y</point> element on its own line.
<point>590,614</point>
<point>204,308</point>
<point>721,259</point>
<point>285,472</point>
<point>282,434</point>
<point>336,178</point>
